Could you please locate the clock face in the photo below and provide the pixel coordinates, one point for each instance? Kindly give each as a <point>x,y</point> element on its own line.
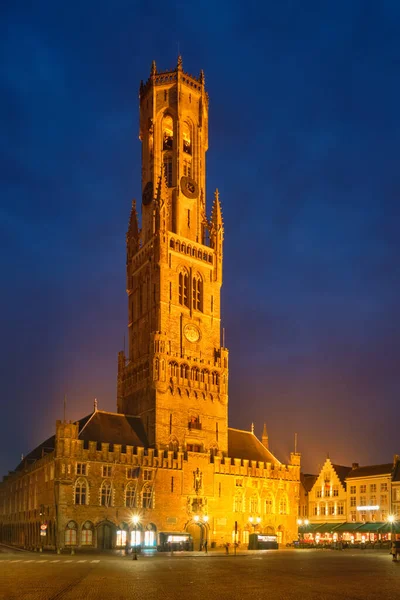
<point>189,187</point>
<point>147,196</point>
<point>192,333</point>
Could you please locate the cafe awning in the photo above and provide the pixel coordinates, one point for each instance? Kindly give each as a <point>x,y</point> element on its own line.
<point>372,527</point>
<point>327,528</point>
<point>347,527</point>
<point>310,528</point>
<point>387,527</point>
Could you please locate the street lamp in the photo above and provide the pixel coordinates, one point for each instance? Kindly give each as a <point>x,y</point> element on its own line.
<point>135,521</point>
<point>255,521</point>
<point>391,521</point>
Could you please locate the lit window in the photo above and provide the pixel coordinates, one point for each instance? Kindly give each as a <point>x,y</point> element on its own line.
<point>283,506</point>
<point>121,537</point>
<point>372,488</point>
<point>352,489</point>
<point>187,138</point>
<point>363,501</point>
<point>336,490</point>
<point>147,475</point>
<point>363,489</point>
<point>318,492</point>
<point>87,537</point>
<point>353,501</point>
<point>353,516</point>
<point>340,508</point>
<point>384,487</point>
<point>168,133</point>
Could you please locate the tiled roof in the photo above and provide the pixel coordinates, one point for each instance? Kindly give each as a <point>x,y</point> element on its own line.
<point>370,470</point>
<point>245,445</point>
<point>308,480</point>
<point>113,428</point>
<point>342,472</point>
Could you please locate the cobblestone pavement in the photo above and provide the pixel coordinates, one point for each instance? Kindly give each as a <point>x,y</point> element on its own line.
<point>288,575</point>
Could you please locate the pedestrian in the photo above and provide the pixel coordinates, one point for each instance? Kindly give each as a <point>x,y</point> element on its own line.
<point>206,547</point>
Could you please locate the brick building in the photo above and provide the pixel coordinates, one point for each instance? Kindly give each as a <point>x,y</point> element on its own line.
<point>167,457</point>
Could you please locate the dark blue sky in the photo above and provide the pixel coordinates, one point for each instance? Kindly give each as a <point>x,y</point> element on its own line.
<point>304,148</point>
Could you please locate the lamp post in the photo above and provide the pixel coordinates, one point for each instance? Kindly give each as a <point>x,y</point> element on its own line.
<point>135,521</point>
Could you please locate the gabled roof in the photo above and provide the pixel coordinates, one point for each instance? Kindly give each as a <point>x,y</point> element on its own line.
<point>307,481</point>
<point>247,446</point>
<point>371,470</point>
<point>342,472</point>
<point>113,428</point>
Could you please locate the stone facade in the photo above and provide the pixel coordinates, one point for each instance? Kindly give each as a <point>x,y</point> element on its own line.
<point>175,465</point>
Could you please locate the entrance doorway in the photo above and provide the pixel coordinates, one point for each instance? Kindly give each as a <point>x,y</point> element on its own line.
<point>198,533</point>
<point>105,536</point>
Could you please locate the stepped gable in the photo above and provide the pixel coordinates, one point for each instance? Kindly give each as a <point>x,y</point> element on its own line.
<point>113,428</point>
<point>342,472</point>
<point>245,445</point>
<point>370,470</point>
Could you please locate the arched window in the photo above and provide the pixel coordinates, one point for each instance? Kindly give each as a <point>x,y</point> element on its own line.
<point>195,374</point>
<point>80,492</point>
<point>254,504</point>
<point>238,503</point>
<point>173,369</point>
<point>87,534</point>
<point>187,138</point>
<point>197,293</point>
<point>70,534</point>
<point>184,289</point>
<point>130,495</point>
<point>184,371</point>
<point>147,496</point>
<point>106,494</point>
<point>269,507</point>
<point>168,132</point>
<point>283,506</point>
<point>172,244</point>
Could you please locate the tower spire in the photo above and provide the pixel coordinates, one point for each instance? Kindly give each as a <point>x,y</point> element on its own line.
<point>153,70</point>
<point>179,63</point>
<point>264,437</point>
<point>133,233</point>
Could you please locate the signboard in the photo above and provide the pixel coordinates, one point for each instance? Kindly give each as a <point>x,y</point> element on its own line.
<point>267,538</point>
<point>43,527</point>
<point>43,533</point>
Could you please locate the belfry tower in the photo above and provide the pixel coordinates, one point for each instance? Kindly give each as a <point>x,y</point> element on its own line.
<point>175,376</point>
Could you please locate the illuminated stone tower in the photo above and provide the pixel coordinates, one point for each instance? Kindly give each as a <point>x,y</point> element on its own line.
<point>176,374</point>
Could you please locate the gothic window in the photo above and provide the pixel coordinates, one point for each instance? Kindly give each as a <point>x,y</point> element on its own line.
<point>195,374</point>
<point>184,289</point>
<point>254,504</point>
<point>80,491</point>
<point>268,506</point>
<point>283,506</point>
<point>173,369</point>
<point>168,133</point>
<point>147,496</point>
<point>197,292</point>
<point>238,503</point>
<point>87,534</point>
<point>106,494</point>
<point>187,138</point>
<point>184,371</point>
<point>130,495</point>
<point>168,170</point>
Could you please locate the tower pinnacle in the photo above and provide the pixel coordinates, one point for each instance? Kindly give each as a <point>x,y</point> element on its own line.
<point>264,437</point>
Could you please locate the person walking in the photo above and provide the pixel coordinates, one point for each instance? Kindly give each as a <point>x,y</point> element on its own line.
<point>206,547</point>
